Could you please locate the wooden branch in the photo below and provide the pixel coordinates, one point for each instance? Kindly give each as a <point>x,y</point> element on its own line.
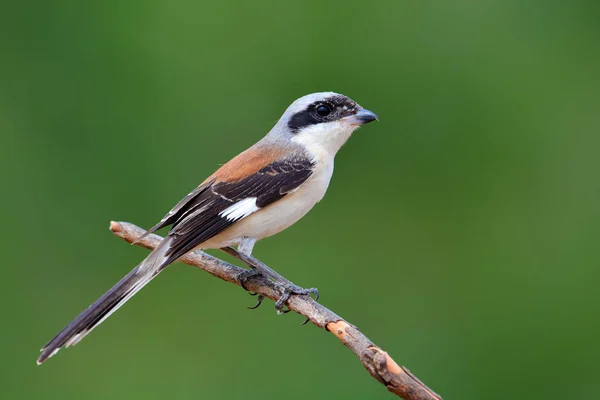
<point>378,363</point>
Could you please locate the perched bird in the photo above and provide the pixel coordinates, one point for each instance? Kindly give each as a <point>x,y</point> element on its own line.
<point>259,193</point>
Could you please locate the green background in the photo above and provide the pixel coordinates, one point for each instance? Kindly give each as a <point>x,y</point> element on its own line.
<point>460,233</point>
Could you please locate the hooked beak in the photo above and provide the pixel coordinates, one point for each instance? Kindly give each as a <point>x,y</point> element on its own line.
<point>361,117</point>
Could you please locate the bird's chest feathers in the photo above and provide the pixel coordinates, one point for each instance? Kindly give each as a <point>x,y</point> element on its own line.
<point>296,204</point>
<point>313,190</point>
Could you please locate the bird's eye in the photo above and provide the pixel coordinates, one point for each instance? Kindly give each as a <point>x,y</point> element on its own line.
<point>323,110</point>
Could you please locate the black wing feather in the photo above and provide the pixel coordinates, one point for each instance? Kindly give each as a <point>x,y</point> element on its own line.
<point>185,206</point>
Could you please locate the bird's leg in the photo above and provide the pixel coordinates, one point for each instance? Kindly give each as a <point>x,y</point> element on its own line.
<point>245,246</point>
<point>247,274</point>
<point>244,276</point>
<point>286,287</point>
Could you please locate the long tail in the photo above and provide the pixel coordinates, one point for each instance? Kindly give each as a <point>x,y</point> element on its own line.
<point>110,302</point>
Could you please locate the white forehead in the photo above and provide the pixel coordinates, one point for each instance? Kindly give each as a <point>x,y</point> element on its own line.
<point>304,101</point>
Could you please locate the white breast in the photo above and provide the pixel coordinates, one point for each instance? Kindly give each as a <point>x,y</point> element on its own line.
<point>280,215</point>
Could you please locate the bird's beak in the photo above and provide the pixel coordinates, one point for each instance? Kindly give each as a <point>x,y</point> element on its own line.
<point>361,117</point>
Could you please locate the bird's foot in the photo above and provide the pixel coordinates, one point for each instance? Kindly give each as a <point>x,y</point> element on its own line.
<point>288,289</point>
<point>243,278</point>
<point>285,287</point>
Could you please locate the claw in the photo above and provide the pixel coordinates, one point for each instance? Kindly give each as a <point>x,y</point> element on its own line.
<point>243,280</point>
<point>260,299</point>
<point>305,321</point>
<point>244,276</point>
<point>280,303</point>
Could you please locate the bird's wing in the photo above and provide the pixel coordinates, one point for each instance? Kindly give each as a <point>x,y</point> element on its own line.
<point>244,165</point>
<point>216,204</point>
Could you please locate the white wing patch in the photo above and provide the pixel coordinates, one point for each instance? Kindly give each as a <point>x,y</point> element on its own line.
<point>240,210</point>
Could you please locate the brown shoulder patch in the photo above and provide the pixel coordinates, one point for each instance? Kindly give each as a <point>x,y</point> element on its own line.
<point>246,163</point>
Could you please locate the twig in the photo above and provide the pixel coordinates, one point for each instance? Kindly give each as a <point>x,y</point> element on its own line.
<point>380,365</point>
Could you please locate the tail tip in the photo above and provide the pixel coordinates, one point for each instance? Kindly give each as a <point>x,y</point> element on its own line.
<point>46,355</point>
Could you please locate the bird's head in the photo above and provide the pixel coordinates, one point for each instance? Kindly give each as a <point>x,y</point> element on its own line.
<point>321,122</point>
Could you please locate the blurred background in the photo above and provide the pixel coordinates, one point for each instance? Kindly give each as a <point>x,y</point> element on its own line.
<point>472,257</point>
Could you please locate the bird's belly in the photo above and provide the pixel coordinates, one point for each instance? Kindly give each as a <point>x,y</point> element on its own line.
<point>277,216</point>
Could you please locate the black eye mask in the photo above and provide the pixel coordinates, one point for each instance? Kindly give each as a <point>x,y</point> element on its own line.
<point>328,110</point>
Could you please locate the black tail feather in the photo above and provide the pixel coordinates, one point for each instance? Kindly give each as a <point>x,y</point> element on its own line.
<point>102,308</point>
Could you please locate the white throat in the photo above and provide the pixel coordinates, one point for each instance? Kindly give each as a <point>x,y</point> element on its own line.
<point>324,140</point>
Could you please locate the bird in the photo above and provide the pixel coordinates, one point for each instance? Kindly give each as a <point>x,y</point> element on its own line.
<point>257,194</point>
